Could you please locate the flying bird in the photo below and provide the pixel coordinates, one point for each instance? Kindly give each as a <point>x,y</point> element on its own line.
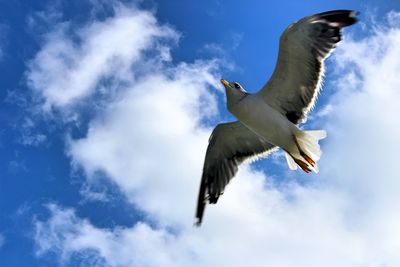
<point>268,119</point>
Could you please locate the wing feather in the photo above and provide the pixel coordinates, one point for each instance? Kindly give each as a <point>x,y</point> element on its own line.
<point>303,47</point>
<point>229,145</point>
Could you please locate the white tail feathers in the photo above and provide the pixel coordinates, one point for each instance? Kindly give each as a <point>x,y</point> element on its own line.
<point>290,161</point>
<point>307,142</point>
<point>317,134</point>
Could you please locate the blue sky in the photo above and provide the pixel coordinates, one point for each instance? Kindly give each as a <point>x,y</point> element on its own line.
<point>88,167</point>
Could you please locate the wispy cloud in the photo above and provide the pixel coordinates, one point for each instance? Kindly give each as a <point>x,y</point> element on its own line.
<point>2,240</point>
<point>74,62</point>
<point>29,136</point>
<point>151,142</point>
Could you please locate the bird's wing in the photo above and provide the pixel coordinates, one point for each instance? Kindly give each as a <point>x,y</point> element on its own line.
<point>303,47</point>
<point>229,145</point>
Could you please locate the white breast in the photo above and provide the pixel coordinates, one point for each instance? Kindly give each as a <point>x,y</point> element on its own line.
<point>265,121</point>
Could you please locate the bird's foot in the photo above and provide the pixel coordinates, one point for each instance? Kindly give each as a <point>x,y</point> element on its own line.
<point>303,165</point>
<point>303,154</point>
<point>308,159</point>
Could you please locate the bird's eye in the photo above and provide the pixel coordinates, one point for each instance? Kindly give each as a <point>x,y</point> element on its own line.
<point>237,86</point>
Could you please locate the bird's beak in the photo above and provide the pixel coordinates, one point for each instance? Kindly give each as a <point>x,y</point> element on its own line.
<point>225,83</point>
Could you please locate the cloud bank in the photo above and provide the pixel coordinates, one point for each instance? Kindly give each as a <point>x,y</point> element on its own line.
<point>74,62</point>
<point>151,142</point>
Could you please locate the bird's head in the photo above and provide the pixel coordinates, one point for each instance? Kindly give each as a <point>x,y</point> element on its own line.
<point>235,86</point>
<point>234,92</point>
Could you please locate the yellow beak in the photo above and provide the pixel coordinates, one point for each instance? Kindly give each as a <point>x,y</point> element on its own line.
<point>225,83</point>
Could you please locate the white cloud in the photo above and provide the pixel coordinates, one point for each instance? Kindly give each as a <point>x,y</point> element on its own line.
<point>154,128</point>
<point>73,62</point>
<point>90,193</point>
<point>28,136</point>
<point>151,143</point>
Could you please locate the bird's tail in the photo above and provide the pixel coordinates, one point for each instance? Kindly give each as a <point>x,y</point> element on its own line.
<point>309,150</point>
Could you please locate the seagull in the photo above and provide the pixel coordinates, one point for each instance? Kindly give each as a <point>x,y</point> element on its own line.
<point>268,119</point>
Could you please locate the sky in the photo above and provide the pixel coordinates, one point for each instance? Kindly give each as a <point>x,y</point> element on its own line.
<point>106,110</point>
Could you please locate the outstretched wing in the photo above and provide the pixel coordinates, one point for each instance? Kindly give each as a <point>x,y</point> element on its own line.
<point>303,47</point>
<point>229,145</point>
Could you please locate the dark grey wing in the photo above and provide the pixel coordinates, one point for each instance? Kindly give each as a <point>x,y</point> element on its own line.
<point>230,144</point>
<point>303,47</point>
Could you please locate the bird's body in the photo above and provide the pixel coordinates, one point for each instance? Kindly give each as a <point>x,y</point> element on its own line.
<point>268,119</point>
<point>265,121</point>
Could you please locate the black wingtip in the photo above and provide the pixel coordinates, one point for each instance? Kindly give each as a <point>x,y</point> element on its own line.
<point>197,222</point>
<point>343,17</point>
<point>199,215</point>
<point>201,203</point>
